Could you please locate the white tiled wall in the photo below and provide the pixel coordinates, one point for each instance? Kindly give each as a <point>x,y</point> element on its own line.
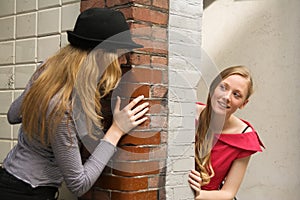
<point>31,30</point>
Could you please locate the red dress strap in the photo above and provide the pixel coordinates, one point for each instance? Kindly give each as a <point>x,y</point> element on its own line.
<point>200,103</point>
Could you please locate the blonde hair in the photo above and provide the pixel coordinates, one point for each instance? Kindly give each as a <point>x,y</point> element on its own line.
<point>50,96</point>
<point>204,135</point>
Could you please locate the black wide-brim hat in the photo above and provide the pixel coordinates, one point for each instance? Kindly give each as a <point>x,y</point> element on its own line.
<point>101,28</point>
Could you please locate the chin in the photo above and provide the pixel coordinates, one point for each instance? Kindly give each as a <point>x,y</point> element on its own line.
<point>220,111</point>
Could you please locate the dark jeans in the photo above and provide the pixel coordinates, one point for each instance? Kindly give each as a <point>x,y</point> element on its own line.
<point>12,188</point>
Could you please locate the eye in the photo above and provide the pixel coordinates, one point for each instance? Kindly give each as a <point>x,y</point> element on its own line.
<point>237,95</point>
<point>222,87</point>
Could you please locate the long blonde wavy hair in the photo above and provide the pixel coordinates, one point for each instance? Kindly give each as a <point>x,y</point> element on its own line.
<point>93,73</point>
<point>204,135</point>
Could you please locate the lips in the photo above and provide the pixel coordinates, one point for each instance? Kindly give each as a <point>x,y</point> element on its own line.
<point>223,105</point>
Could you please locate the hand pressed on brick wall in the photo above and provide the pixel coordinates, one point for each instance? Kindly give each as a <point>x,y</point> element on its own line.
<point>126,119</point>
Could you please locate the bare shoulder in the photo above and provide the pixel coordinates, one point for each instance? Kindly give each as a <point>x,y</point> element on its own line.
<point>240,126</point>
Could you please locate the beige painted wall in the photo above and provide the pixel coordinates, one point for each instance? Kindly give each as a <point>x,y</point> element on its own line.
<point>264,35</point>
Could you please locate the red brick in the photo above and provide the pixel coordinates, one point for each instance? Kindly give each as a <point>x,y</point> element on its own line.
<point>148,195</point>
<point>111,3</point>
<point>159,33</point>
<point>154,16</point>
<point>162,194</point>
<point>131,90</point>
<point>127,11</point>
<point>158,153</point>
<point>153,182</point>
<point>146,14</point>
<point>163,137</point>
<point>144,2</point>
<point>142,76</point>
<point>139,59</point>
<point>130,169</point>
<point>152,46</point>
<point>159,91</point>
<point>165,77</point>
<point>84,5</point>
<point>138,29</point>
<point>156,181</point>
<point>141,138</point>
<point>161,4</point>
<point>158,121</point>
<point>130,153</point>
<point>157,106</point>
<point>159,60</point>
<point>144,125</point>
<point>122,183</point>
<point>142,90</point>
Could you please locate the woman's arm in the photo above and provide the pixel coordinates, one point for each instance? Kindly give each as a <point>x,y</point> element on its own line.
<point>80,177</point>
<point>231,186</point>
<point>14,112</point>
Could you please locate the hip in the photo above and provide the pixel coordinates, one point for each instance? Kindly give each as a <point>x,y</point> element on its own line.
<point>14,188</point>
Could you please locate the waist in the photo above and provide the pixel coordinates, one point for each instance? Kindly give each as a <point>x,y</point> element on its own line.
<point>32,168</point>
<point>13,182</point>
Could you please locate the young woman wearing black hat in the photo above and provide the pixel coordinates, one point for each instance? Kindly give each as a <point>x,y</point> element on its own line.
<point>61,105</point>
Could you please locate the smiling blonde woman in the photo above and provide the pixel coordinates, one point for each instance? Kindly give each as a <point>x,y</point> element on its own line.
<point>224,143</point>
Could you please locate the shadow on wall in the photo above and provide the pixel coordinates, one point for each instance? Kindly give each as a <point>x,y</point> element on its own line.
<point>207,3</point>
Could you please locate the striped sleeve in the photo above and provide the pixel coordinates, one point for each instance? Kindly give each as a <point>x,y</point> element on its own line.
<point>79,177</point>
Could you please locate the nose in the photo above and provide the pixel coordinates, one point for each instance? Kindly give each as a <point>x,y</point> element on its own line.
<point>226,96</point>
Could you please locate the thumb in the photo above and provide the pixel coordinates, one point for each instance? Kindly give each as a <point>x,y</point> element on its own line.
<point>118,104</point>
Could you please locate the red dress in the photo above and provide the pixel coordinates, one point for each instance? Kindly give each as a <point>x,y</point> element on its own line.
<point>228,148</point>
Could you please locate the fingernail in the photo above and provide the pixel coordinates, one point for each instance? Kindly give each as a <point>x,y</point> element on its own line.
<point>142,96</point>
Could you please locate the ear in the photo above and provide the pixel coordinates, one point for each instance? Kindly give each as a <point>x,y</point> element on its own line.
<point>244,104</point>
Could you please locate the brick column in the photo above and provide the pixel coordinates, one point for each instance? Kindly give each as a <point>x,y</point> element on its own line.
<point>137,171</point>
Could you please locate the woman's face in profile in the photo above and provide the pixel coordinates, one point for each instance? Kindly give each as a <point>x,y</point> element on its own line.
<point>229,95</point>
<point>122,56</point>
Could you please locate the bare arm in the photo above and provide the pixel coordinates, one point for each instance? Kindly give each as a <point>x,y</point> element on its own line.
<point>229,189</point>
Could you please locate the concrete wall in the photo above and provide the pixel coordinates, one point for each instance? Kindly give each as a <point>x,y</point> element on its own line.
<point>265,36</point>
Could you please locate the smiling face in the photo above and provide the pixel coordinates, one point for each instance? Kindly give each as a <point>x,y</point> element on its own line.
<point>230,94</point>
